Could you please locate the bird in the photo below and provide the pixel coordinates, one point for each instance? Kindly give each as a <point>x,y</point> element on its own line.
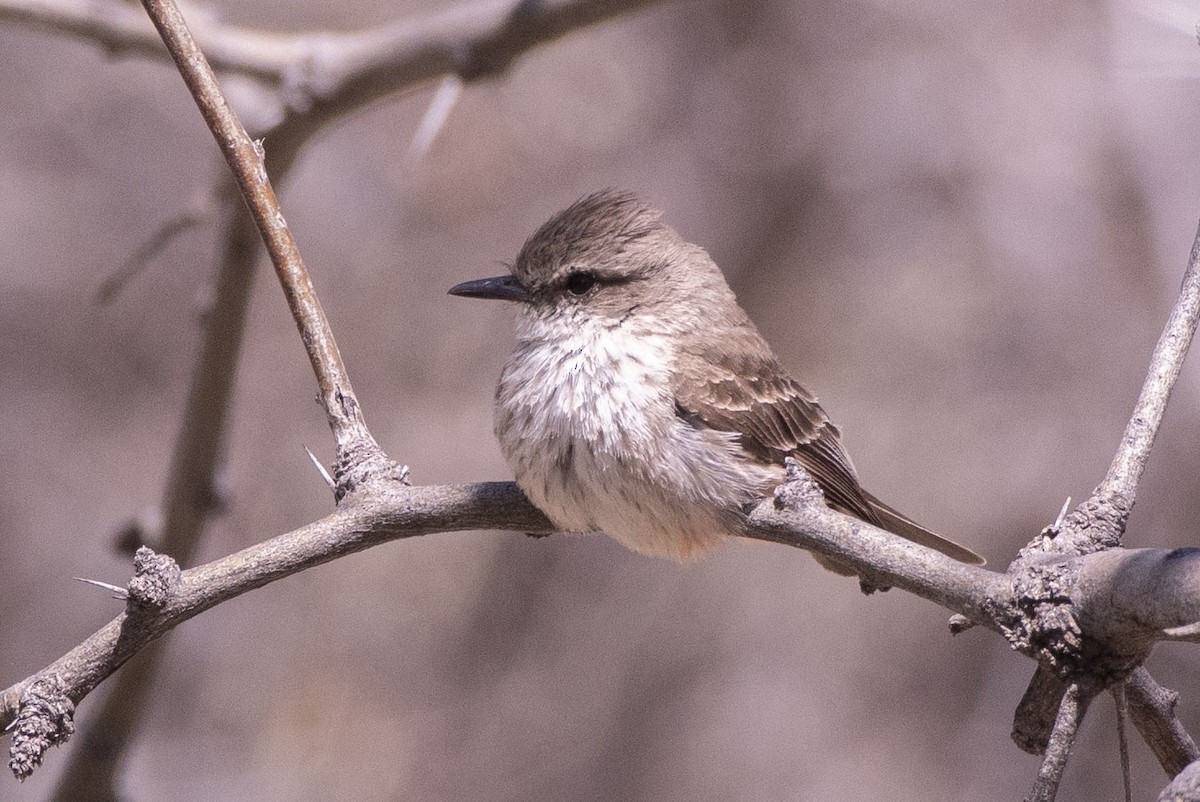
<point>641,401</point>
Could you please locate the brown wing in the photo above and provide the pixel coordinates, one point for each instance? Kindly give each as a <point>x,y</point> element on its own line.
<point>742,389</point>
<point>745,391</point>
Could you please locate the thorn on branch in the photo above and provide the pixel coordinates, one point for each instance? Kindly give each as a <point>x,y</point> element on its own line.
<point>1052,531</point>
<point>118,592</point>
<point>46,718</point>
<point>154,580</point>
<point>332,485</point>
<point>1095,525</point>
<point>1189,632</point>
<point>1062,515</point>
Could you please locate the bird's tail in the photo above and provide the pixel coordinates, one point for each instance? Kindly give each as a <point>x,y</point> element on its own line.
<point>908,529</point>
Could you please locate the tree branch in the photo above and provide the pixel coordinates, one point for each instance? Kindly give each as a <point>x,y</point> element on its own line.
<point>1099,522</point>
<point>1062,738</point>
<point>392,511</point>
<point>1152,710</point>
<point>188,496</point>
<point>246,161</point>
<point>1185,787</point>
<point>1074,643</point>
<point>1165,364</point>
<point>339,71</point>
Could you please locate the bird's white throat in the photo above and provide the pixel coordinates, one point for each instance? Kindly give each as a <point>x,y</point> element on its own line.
<point>596,387</point>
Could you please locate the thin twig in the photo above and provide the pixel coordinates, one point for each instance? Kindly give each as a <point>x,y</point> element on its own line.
<point>1118,694</point>
<point>1165,365</point>
<point>246,161</point>
<point>197,212</point>
<point>1062,738</point>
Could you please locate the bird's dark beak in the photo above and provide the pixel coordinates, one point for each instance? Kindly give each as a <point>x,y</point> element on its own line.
<point>501,288</point>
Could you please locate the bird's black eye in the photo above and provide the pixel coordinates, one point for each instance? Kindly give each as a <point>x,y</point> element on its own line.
<point>580,282</point>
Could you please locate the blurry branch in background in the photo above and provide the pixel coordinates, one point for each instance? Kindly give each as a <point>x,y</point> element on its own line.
<point>301,84</point>
<point>327,73</point>
<point>1088,611</point>
<point>122,29</point>
<point>199,212</point>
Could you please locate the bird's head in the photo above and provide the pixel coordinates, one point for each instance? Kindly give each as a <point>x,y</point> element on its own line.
<point>609,256</point>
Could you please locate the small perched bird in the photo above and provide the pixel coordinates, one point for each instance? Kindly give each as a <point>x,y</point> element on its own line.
<point>640,399</point>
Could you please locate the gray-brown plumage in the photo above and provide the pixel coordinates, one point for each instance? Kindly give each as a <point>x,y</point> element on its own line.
<point>641,400</point>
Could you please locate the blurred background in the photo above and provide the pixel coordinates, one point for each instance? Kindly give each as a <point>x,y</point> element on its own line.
<point>962,225</point>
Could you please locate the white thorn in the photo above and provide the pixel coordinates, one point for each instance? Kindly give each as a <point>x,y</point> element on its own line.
<point>117,591</point>
<point>448,93</point>
<point>1062,514</point>
<point>321,469</point>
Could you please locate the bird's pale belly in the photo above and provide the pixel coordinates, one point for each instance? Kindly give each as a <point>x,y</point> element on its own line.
<point>600,447</point>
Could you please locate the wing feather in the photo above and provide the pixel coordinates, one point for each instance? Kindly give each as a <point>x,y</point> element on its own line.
<point>774,416</point>
<point>740,388</point>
